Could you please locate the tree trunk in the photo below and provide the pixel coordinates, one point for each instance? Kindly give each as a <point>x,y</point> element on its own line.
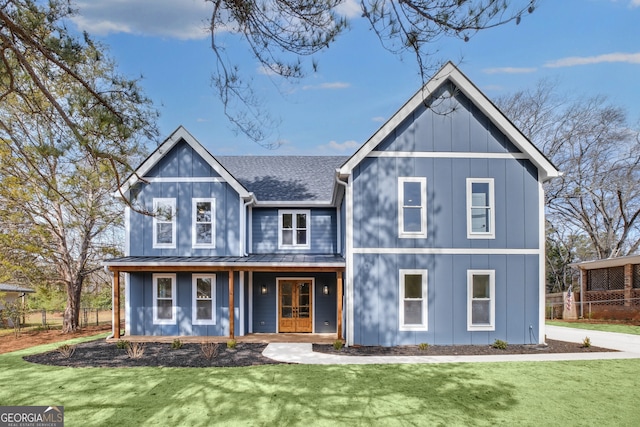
<point>71,318</point>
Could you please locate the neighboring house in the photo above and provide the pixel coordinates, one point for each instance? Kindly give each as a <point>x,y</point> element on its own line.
<point>433,231</point>
<point>10,293</point>
<point>610,288</point>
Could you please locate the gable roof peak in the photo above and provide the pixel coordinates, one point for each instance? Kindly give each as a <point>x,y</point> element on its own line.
<point>181,134</point>
<point>449,72</point>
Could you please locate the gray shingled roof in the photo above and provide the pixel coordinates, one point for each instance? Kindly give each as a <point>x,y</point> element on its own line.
<point>285,178</point>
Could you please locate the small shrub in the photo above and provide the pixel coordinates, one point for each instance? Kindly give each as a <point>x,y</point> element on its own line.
<point>66,350</point>
<point>423,346</point>
<point>337,344</point>
<point>209,350</point>
<point>586,342</point>
<point>122,344</point>
<point>176,344</point>
<point>499,344</point>
<point>231,344</point>
<point>135,350</point>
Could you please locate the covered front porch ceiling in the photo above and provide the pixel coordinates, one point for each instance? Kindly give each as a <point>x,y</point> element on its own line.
<point>264,263</point>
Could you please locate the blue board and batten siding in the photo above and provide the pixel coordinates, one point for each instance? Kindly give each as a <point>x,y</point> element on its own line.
<point>140,319</point>
<point>417,148</point>
<point>169,180</point>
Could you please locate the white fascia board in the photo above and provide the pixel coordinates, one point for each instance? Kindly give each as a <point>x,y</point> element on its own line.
<point>451,72</point>
<point>294,204</point>
<point>182,134</point>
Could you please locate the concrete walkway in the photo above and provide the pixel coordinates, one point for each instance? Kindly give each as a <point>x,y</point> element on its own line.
<point>628,346</point>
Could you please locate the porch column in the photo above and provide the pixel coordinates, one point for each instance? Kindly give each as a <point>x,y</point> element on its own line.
<point>116,304</point>
<point>231,307</point>
<point>339,296</point>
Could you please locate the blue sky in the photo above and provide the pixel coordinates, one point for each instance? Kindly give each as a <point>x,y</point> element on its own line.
<point>591,47</point>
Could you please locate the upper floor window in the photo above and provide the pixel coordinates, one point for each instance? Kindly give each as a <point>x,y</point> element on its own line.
<point>294,230</point>
<point>203,223</point>
<point>480,208</point>
<point>481,300</point>
<point>204,299</point>
<point>164,223</point>
<point>164,299</point>
<point>412,207</point>
<point>413,300</point>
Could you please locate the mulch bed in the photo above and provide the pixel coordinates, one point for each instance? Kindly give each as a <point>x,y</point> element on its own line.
<point>99,353</point>
<point>461,350</point>
<point>107,355</point>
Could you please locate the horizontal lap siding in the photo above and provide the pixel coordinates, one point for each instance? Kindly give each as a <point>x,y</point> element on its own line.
<point>377,299</point>
<point>323,232</point>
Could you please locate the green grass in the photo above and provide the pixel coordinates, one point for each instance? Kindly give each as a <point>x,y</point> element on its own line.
<point>604,327</point>
<point>543,393</point>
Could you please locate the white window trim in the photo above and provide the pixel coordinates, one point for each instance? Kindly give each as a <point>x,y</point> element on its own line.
<point>423,208</point>
<point>174,297</point>
<point>194,223</point>
<point>492,212</point>
<point>492,303</point>
<point>425,301</point>
<point>194,303</point>
<point>294,212</point>
<point>172,203</point>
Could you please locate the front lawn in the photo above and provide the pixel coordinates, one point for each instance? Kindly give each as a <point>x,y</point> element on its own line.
<point>604,327</point>
<point>542,393</point>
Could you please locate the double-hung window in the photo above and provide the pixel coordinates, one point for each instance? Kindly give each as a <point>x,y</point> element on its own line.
<point>203,223</point>
<point>164,223</point>
<point>412,207</point>
<point>164,299</point>
<point>294,229</point>
<point>413,300</point>
<point>204,299</point>
<point>481,300</point>
<point>480,209</point>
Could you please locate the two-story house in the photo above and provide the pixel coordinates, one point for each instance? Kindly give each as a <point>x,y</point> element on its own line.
<point>433,231</point>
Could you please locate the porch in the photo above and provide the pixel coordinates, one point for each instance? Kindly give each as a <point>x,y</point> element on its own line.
<point>246,295</point>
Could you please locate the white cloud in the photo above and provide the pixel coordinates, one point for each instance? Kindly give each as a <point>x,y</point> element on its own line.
<point>330,85</point>
<point>635,3</point>
<point>379,119</point>
<point>333,146</point>
<point>509,70</point>
<point>184,20</point>
<point>352,9</point>
<point>629,58</point>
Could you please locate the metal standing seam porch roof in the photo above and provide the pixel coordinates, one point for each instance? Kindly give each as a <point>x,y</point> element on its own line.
<point>258,262</point>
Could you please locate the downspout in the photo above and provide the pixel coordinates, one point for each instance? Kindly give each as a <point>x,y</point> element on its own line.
<point>345,276</point>
<point>106,270</point>
<point>244,223</point>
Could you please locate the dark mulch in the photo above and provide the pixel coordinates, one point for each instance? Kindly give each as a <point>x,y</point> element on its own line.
<point>99,353</point>
<point>102,354</point>
<point>460,350</point>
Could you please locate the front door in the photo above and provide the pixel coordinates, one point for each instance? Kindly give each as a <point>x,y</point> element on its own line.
<point>295,313</point>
